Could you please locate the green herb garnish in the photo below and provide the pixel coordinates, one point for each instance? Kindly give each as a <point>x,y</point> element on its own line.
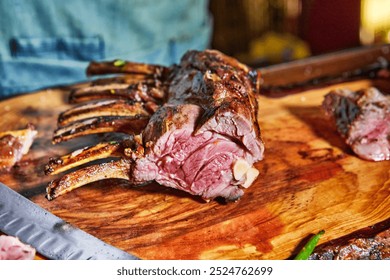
<point>306,251</point>
<point>119,63</point>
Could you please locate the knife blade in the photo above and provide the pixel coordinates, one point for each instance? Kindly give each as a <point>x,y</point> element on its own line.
<point>51,236</point>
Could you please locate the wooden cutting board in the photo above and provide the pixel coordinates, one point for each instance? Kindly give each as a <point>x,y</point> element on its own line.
<point>309,180</point>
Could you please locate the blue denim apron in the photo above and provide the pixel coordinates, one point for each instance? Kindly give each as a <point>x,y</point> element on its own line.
<point>45,43</point>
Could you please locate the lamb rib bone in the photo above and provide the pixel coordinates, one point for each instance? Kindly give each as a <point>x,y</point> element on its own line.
<point>141,91</point>
<point>102,108</point>
<point>127,124</point>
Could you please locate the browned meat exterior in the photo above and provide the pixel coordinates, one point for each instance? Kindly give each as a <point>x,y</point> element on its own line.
<point>203,139</point>
<point>14,145</point>
<point>12,249</point>
<point>363,119</point>
<point>208,125</point>
<point>376,247</point>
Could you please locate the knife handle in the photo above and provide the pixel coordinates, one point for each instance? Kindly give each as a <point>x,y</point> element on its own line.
<point>363,62</point>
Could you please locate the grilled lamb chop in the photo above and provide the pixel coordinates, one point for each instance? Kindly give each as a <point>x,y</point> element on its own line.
<point>363,119</point>
<point>203,140</point>
<point>14,145</point>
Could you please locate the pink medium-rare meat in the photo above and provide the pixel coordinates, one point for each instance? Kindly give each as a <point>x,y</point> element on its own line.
<point>363,119</point>
<point>207,125</point>
<point>12,249</point>
<point>204,139</point>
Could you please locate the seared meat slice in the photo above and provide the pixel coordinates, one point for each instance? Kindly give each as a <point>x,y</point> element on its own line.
<point>15,144</point>
<point>203,140</point>
<point>357,246</point>
<point>12,249</point>
<point>363,119</point>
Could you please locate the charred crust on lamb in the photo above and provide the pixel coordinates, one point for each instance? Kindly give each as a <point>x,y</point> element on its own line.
<point>203,136</point>
<point>363,119</point>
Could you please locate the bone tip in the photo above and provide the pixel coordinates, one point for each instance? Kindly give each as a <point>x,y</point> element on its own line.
<point>251,176</point>
<point>48,169</point>
<point>240,168</point>
<point>52,165</point>
<point>56,139</point>
<point>50,191</point>
<point>61,119</point>
<point>72,99</point>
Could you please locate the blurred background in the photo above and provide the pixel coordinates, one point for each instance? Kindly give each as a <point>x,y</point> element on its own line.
<point>264,32</point>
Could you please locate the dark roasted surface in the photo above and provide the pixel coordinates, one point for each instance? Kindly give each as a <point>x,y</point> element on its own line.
<point>363,119</point>
<point>371,243</point>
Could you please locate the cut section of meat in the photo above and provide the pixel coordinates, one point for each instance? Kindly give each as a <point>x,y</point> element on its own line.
<point>363,119</point>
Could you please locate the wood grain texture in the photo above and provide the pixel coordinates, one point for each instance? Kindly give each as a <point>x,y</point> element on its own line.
<point>309,180</point>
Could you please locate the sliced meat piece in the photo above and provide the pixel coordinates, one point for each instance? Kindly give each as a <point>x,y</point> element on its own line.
<point>14,145</point>
<point>12,249</point>
<point>363,119</point>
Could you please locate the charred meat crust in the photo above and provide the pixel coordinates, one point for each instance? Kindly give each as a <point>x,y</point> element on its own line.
<point>370,243</point>
<point>363,119</point>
